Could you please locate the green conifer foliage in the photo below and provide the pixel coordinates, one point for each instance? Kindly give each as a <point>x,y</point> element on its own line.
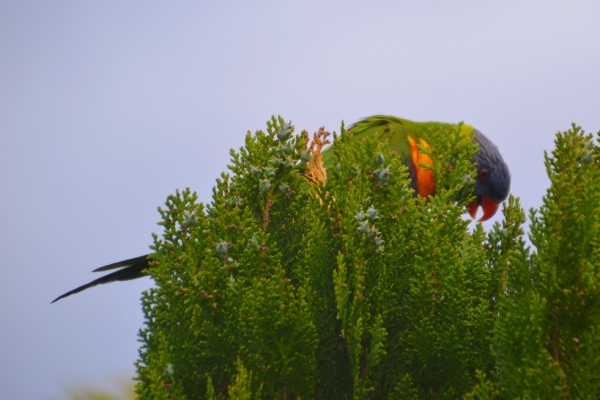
<point>224,305</point>
<point>418,302</point>
<point>289,285</point>
<point>550,315</point>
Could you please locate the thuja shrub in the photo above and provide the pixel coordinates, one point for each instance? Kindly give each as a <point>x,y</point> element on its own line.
<point>548,333</point>
<point>300,282</point>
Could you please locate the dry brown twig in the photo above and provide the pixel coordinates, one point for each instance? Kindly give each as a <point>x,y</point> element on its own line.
<point>316,174</point>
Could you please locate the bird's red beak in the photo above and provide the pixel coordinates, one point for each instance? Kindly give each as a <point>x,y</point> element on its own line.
<point>489,208</point>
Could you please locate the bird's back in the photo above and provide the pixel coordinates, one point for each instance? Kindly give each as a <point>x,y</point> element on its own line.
<point>395,130</point>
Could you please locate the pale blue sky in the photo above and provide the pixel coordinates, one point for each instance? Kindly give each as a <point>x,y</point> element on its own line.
<point>108,107</point>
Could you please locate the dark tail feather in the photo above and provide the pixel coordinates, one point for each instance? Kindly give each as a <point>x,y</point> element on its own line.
<point>130,269</point>
<point>125,263</point>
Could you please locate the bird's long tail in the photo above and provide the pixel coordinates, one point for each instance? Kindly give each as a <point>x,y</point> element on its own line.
<point>130,269</point>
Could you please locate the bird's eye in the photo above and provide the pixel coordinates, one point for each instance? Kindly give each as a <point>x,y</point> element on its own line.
<point>484,173</point>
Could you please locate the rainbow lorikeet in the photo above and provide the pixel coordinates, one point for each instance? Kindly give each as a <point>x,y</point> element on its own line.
<point>492,183</point>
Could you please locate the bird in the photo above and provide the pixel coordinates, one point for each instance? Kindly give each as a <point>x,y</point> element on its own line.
<point>492,182</point>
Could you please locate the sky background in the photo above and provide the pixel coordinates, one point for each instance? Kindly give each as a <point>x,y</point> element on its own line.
<point>106,108</point>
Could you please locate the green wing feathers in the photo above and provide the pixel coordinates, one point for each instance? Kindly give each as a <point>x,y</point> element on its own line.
<point>393,129</point>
